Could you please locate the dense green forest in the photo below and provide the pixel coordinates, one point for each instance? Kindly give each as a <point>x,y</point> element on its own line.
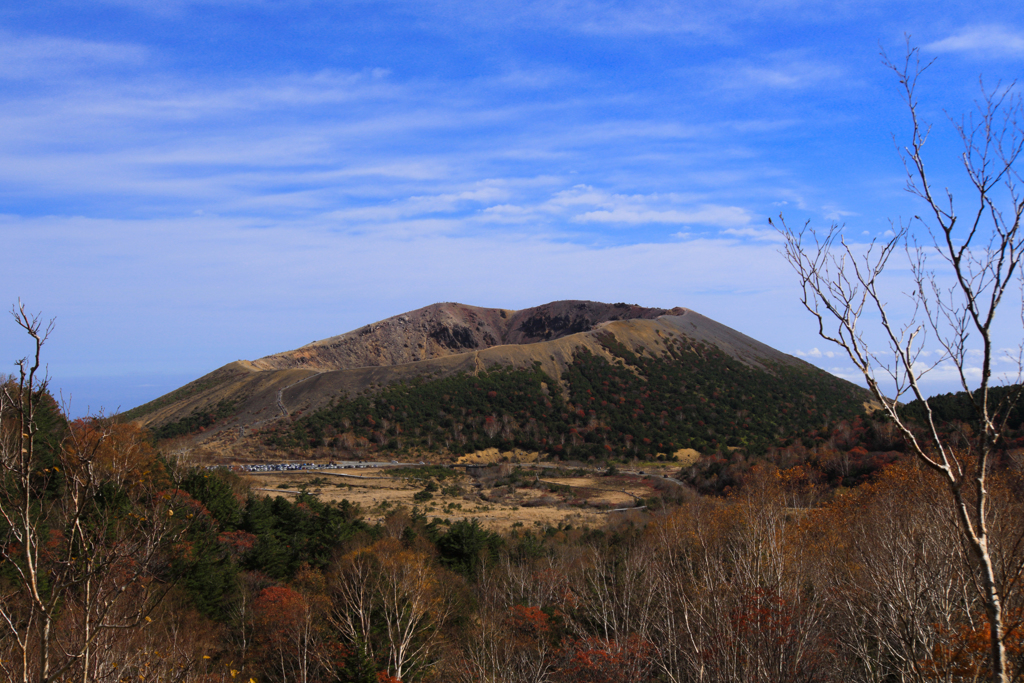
<point>198,420</point>
<point>1005,403</point>
<point>642,405</point>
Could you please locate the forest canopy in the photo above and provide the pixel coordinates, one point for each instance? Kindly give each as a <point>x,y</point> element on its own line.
<point>641,405</point>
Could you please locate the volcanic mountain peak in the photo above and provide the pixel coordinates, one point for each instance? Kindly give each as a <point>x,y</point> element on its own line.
<point>446,329</point>
<point>548,346</point>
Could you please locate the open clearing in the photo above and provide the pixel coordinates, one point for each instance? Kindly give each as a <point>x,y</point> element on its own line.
<point>500,497</point>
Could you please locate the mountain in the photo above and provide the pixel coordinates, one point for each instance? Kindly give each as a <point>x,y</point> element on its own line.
<point>566,376</point>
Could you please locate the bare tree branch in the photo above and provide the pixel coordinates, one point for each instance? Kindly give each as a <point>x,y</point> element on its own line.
<point>981,256</point>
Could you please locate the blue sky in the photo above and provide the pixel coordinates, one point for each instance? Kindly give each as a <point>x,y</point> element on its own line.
<point>185,183</point>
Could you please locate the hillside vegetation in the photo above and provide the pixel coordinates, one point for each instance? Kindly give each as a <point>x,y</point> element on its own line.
<point>691,395</point>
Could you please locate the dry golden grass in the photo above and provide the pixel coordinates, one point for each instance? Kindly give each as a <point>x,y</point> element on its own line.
<point>491,456</point>
<point>551,499</point>
<point>687,456</point>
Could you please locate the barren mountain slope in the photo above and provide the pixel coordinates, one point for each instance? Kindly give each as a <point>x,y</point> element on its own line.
<point>448,329</point>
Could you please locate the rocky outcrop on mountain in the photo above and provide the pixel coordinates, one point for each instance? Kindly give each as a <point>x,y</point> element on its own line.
<point>447,329</point>
<point>563,318</point>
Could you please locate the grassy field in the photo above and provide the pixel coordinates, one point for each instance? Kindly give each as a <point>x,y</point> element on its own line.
<point>500,497</point>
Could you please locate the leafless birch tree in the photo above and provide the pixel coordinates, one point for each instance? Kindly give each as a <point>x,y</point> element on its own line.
<point>977,246</point>
<point>78,572</point>
<point>394,603</point>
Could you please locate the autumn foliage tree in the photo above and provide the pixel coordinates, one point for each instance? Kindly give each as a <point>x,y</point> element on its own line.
<point>289,634</point>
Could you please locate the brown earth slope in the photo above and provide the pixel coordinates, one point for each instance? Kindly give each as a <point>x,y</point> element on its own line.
<point>448,329</point>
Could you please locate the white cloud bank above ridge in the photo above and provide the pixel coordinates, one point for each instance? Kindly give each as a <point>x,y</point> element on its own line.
<point>817,353</point>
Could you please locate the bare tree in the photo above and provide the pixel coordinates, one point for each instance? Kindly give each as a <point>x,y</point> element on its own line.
<point>612,594</point>
<point>978,255</point>
<point>393,604</point>
<point>896,578</point>
<point>733,582</point>
<point>79,569</point>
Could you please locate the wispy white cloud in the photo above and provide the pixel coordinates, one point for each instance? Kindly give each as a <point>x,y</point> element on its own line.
<point>47,57</point>
<point>817,353</point>
<point>509,213</point>
<point>791,71</point>
<point>644,18</point>
<point>605,18</point>
<point>484,193</point>
<point>705,20</point>
<point>834,213</point>
<point>672,208</point>
<point>580,195</point>
<point>992,39</point>
<point>762,234</point>
<point>531,78</point>
<point>790,76</point>
<point>536,208</point>
<point>703,215</point>
<point>177,8</point>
